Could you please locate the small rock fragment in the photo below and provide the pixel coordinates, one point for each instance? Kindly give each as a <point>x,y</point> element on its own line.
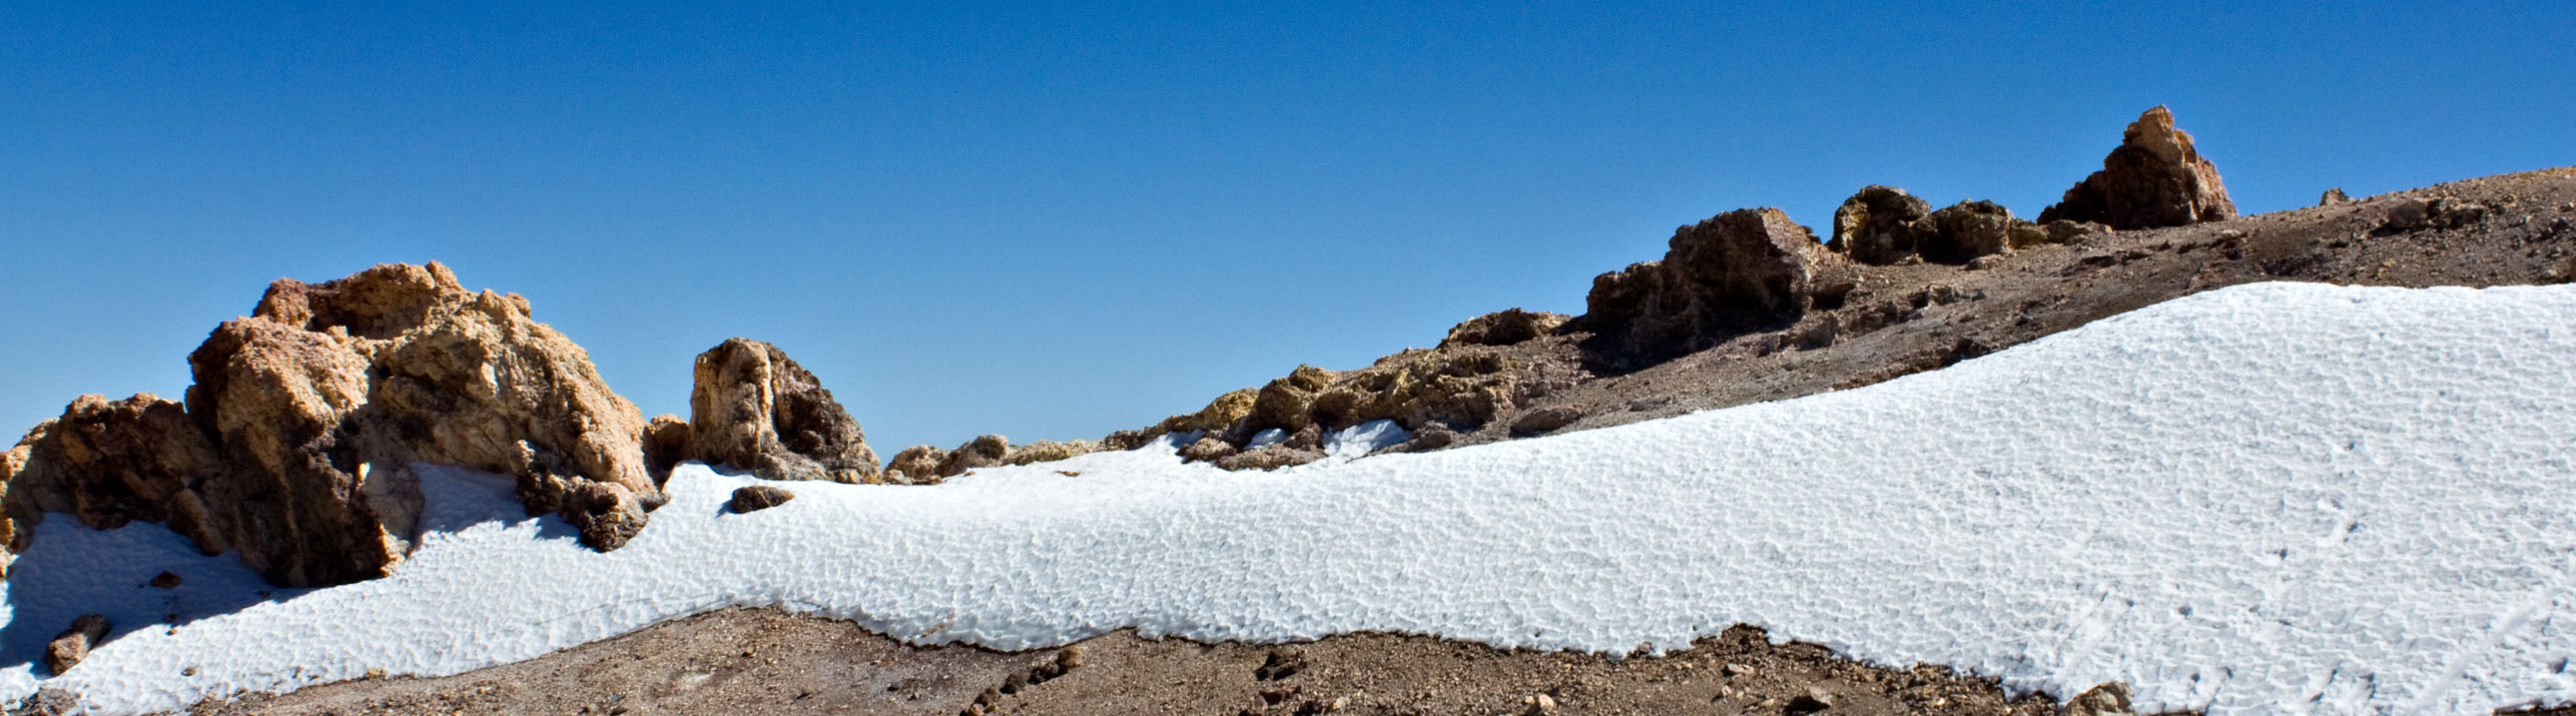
<point>754,498</point>
<point>166,580</point>
<point>1545,420</point>
<point>73,645</point>
<point>2108,699</point>
<point>2332,197</point>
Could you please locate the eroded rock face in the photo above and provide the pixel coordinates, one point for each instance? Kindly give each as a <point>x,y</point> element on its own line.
<point>322,399</point>
<point>1880,225</point>
<point>108,463</point>
<point>2155,178</point>
<point>755,409</point>
<point>1741,270</point>
<point>1503,328</point>
<point>666,445</point>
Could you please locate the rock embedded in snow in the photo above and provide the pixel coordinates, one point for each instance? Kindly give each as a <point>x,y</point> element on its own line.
<point>324,396</point>
<point>755,409</point>
<point>72,646</point>
<point>916,465</point>
<point>754,498</point>
<point>1545,420</point>
<point>2154,178</point>
<point>108,463</point>
<point>983,451</point>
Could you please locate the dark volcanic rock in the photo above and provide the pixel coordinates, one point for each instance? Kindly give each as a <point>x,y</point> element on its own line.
<point>2155,178</point>
<point>754,498</point>
<point>755,409</point>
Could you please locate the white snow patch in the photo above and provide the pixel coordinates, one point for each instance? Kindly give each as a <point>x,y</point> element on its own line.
<point>2270,498</point>
<point>1266,438</point>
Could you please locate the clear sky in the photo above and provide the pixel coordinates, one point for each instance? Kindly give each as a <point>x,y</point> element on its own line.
<point>1053,221</point>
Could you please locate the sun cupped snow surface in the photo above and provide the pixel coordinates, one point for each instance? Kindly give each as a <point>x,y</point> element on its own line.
<point>2270,498</point>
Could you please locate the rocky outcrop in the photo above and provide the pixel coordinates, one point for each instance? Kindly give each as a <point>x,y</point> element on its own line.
<point>1883,225</point>
<point>1880,225</point>
<point>1749,269</point>
<point>2107,699</point>
<point>923,464</point>
<point>755,409</point>
<point>72,646</point>
<point>295,445</point>
<point>754,498</point>
<point>1503,328</point>
<point>2155,178</point>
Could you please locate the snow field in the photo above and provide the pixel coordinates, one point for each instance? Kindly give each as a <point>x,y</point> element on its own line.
<point>2269,498</point>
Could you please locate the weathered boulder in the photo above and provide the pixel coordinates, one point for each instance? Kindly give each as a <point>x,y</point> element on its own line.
<point>108,463</point>
<point>73,645</point>
<point>1050,451</point>
<point>755,409</point>
<point>2154,178</point>
<point>983,451</point>
<point>916,465</point>
<point>754,498</point>
<point>1969,229</point>
<point>1743,270</point>
<point>321,400</point>
<point>1545,420</point>
<point>2332,197</point>
<point>1880,225</point>
<point>1503,328</point>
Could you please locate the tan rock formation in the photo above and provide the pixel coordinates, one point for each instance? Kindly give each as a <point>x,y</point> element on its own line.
<point>323,397</point>
<point>1742,270</point>
<point>1503,328</point>
<point>294,448</point>
<point>109,463</point>
<point>755,409</point>
<point>72,646</point>
<point>2154,178</point>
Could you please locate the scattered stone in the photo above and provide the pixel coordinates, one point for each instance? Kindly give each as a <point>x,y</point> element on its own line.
<point>754,498</point>
<point>1814,700</point>
<point>755,409</point>
<point>1267,457</point>
<point>2108,699</point>
<point>2155,178</point>
<point>1545,420</point>
<point>1982,263</point>
<point>1503,328</point>
<point>73,645</point>
<point>1539,705</point>
<point>2332,197</point>
<point>2409,214</point>
<point>166,580</point>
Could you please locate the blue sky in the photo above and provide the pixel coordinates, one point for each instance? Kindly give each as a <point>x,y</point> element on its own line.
<point>1053,221</point>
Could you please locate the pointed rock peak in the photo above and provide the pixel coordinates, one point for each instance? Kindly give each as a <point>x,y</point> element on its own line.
<point>2154,178</point>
